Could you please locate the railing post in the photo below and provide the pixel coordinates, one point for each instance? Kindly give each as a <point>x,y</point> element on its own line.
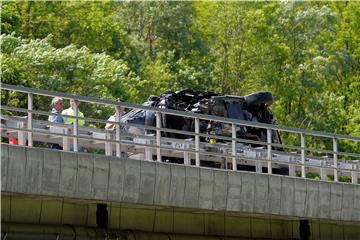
<point>269,150</point>
<point>335,149</point>
<point>108,145</point>
<point>66,145</point>
<point>76,127</point>
<point>292,170</point>
<point>233,148</point>
<point>354,175</point>
<point>323,171</point>
<point>21,134</point>
<point>30,119</point>
<point>148,150</point>
<point>118,115</point>
<point>303,173</point>
<point>158,136</point>
<point>187,160</point>
<point>292,167</point>
<point>197,142</point>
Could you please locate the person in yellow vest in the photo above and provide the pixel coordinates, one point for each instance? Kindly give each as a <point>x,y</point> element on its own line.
<point>71,112</point>
<point>69,120</point>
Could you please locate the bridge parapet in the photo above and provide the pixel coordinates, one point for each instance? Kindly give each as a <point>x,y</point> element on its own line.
<point>231,153</point>
<point>44,172</point>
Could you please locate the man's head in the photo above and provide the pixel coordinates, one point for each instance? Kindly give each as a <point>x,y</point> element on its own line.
<point>74,102</point>
<point>57,103</point>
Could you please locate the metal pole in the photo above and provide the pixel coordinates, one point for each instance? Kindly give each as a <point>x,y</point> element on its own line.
<point>269,150</point>
<point>76,127</point>
<point>118,115</point>
<point>158,136</point>
<point>233,131</point>
<point>335,149</point>
<point>303,174</point>
<point>197,142</point>
<point>30,119</point>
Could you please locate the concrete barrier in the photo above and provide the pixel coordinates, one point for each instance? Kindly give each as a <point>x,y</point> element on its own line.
<point>51,173</point>
<point>116,179</point>
<point>100,181</point>
<point>89,177</point>
<point>147,182</point>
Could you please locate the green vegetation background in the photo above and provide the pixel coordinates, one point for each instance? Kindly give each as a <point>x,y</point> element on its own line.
<point>306,53</point>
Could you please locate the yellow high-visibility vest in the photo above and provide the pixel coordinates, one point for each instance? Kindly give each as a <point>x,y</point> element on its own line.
<point>71,112</point>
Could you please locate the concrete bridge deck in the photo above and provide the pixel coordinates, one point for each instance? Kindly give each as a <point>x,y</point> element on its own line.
<point>43,186</point>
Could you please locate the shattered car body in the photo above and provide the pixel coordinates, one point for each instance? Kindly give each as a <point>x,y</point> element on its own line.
<point>253,107</point>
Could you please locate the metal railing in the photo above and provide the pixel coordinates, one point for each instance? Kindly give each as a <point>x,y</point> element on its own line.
<point>229,151</point>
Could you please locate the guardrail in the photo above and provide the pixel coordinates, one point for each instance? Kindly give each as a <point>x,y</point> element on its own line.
<point>232,153</point>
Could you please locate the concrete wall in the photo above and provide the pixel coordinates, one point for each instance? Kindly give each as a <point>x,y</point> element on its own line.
<point>99,178</point>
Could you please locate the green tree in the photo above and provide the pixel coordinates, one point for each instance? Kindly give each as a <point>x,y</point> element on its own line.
<point>36,63</point>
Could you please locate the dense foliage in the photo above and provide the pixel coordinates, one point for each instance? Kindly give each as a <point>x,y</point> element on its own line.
<point>306,53</point>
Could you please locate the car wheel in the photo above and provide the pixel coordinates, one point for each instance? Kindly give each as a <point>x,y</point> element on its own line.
<point>259,98</point>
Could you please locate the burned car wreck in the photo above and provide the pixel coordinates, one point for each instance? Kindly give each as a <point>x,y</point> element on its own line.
<point>253,107</point>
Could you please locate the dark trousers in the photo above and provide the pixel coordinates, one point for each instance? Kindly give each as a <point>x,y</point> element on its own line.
<point>55,146</point>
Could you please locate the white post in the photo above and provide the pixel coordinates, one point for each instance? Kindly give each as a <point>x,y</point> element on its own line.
<point>335,149</point>
<point>158,136</point>
<point>21,134</point>
<point>108,145</point>
<point>233,147</point>
<point>292,170</point>
<point>354,175</point>
<point>76,128</point>
<point>323,171</point>
<point>118,115</point>
<point>303,174</point>
<point>30,119</point>
<point>292,167</point>
<point>148,150</point>
<point>197,142</point>
<point>269,150</point>
<point>66,145</point>
<point>187,155</point>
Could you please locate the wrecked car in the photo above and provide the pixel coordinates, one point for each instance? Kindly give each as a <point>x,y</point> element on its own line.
<point>253,107</point>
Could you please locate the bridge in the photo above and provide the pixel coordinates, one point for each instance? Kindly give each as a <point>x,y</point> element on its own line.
<point>126,185</point>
